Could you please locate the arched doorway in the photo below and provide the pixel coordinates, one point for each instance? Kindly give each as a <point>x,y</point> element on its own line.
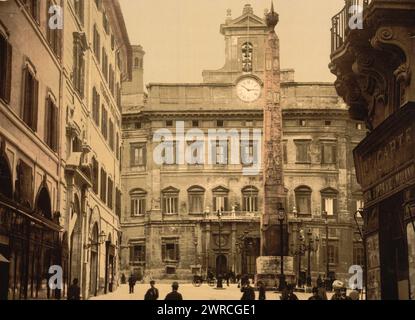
<point>93,287</point>
<point>221,265</point>
<point>75,245</point>
<point>109,264</point>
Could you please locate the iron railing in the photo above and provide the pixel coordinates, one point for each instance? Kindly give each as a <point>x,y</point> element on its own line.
<point>340,22</point>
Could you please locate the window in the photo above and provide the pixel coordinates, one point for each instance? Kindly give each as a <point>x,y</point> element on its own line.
<point>95,170</point>
<point>112,80</point>
<point>249,152</point>
<point>103,186</point>
<point>302,123</point>
<point>249,123</point>
<point>359,126</point>
<point>25,184</point>
<point>118,97</point>
<point>220,123</point>
<point>51,124</point>
<point>111,135</point>
<point>170,250</point>
<point>118,202</point>
<point>250,199</point>
<point>169,123</point>
<point>78,65</point>
<point>6,53</point>
<point>196,199</point>
<point>358,255</point>
<point>303,200</point>
<point>138,202</point>
<point>333,254</point>
<point>303,151</point>
<point>220,199</point>
<point>79,9</point>
<point>110,197</point>
<point>328,153</point>
<point>327,123</point>
<point>329,201</point>
<point>117,147</point>
<point>138,155</point>
<point>95,105</point>
<point>170,201</point>
<point>137,125</point>
<point>220,152</point>
<point>195,123</point>
<point>247,53</point>
<point>104,65</point>
<point>137,253</point>
<point>168,153</point>
<point>33,6</point>
<point>53,35</point>
<point>104,122</point>
<point>97,44</point>
<point>30,100</point>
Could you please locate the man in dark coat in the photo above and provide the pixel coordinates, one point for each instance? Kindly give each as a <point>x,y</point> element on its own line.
<point>153,292</point>
<point>262,291</point>
<point>131,283</point>
<point>74,291</point>
<point>174,295</point>
<point>248,292</point>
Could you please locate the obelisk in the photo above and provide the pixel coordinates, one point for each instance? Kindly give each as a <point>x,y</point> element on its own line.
<point>269,265</point>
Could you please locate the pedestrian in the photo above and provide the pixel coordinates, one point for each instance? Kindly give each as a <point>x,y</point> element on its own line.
<point>123,279</point>
<point>74,291</point>
<point>354,295</point>
<point>319,281</point>
<point>153,292</point>
<point>315,295</point>
<point>288,293</point>
<point>131,282</point>
<point>322,293</point>
<point>248,291</point>
<point>262,290</point>
<point>227,276</point>
<point>338,288</point>
<point>174,295</point>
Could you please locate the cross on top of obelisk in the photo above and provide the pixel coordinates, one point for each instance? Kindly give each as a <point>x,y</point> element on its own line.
<point>272,17</point>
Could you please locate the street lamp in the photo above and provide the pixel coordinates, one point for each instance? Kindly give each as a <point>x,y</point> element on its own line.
<point>281,218</point>
<point>219,284</point>
<point>326,216</point>
<point>298,250</point>
<point>101,239</point>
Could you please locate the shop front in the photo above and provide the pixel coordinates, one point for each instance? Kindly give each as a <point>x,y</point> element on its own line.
<point>29,239</point>
<point>385,166</point>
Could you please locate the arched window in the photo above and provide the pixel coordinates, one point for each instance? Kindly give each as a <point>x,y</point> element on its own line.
<point>170,200</point>
<point>250,199</point>
<point>136,62</point>
<point>196,199</point>
<point>220,199</point>
<point>43,203</point>
<point>303,200</point>
<point>6,185</point>
<point>247,53</point>
<point>329,201</point>
<point>138,202</point>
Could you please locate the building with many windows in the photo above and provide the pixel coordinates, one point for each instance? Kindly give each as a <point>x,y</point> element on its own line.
<point>62,64</point>
<point>193,194</point>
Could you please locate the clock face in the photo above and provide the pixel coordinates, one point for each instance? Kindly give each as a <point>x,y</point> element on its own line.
<point>248,90</point>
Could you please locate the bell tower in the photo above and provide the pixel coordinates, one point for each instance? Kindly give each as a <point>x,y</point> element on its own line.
<point>245,43</point>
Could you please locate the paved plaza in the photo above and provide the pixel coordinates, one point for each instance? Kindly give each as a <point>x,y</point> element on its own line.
<point>189,292</point>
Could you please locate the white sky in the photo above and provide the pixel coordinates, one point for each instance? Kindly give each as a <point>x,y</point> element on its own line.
<point>181,37</point>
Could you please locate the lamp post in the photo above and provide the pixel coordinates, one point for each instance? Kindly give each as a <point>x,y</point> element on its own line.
<point>281,218</point>
<point>326,216</point>
<point>298,250</point>
<point>219,284</point>
<point>360,211</point>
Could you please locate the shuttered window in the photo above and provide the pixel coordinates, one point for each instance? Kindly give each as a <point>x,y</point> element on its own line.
<point>30,99</point>
<point>51,124</point>
<point>170,250</point>
<point>6,54</point>
<point>328,153</point>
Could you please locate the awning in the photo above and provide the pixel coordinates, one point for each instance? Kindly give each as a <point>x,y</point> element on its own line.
<point>3,259</point>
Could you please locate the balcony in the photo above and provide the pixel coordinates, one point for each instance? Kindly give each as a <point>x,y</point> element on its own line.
<point>372,59</point>
<point>340,22</point>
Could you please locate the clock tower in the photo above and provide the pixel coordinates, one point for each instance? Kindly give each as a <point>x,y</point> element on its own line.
<point>245,46</point>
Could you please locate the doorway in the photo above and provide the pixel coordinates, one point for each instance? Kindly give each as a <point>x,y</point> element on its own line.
<point>221,265</point>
